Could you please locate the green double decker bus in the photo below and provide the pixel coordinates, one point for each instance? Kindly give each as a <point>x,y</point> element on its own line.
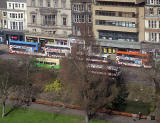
<point>47,63</point>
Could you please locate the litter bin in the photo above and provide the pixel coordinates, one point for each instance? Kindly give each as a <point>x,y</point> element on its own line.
<point>33,99</point>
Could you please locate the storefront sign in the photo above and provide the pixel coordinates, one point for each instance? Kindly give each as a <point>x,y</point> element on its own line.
<point>14,37</point>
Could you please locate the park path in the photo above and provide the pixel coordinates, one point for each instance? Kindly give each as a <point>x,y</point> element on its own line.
<point>101,116</point>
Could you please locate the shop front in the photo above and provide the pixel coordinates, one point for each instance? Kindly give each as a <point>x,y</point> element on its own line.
<point>111,47</point>
<point>32,39</point>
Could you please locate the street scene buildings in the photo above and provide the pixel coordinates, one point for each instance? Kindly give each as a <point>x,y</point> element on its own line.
<point>91,53</point>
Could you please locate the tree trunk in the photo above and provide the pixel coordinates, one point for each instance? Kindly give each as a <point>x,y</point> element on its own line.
<point>3,108</point>
<point>86,117</point>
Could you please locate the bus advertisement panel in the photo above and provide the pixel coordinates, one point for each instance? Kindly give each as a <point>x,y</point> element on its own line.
<point>23,47</point>
<point>57,50</point>
<point>134,59</point>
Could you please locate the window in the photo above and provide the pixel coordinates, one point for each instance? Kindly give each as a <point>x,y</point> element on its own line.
<point>151,11</point>
<point>20,25</point>
<point>55,2</point>
<point>41,3</point>
<point>21,15</point>
<point>14,25</point>
<point>13,5</point>
<point>89,8</point>
<point>33,19</point>
<point>158,11</point>
<point>4,13</point>
<point>48,3</point>
<point>83,20</point>
<point>149,23</point>
<point>63,3</point>
<point>49,20</point>
<point>16,5</point>
<point>64,21</point>
<point>5,22</point>
<point>155,24</point>
<point>89,18</point>
<point>33,3</point>
<point>9,5</point>
<point>22,5</point>
<point>13,15</point>
<point>120,14</point>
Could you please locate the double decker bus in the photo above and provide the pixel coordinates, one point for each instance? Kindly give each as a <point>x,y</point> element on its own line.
<point>110,70</point>
<point>98,64</point>
<point>22,47</point>
<point>57,50</point>
<point>133,59</point>
<point>47,63</point>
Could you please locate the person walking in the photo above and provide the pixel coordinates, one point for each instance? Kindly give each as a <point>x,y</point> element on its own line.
<point>140,115</point>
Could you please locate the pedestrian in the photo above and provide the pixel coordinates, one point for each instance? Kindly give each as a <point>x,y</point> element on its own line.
<point>140,115</point>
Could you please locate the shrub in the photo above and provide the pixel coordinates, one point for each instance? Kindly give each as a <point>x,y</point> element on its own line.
<point>55,86</point>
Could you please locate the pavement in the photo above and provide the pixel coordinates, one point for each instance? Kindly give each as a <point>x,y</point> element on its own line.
<point>74,112</point>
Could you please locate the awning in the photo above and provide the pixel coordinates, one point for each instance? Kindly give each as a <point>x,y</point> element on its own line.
<point>119,44</point>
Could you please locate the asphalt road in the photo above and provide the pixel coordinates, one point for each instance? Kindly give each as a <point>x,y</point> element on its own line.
<point>136,75</point>
<point>4,53</point>
<point>130,74</point>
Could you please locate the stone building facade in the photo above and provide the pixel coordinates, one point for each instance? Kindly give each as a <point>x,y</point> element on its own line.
<point>13,19</point>
<point>152,21</point>
<point>81,17</point>
<point>48,20</point>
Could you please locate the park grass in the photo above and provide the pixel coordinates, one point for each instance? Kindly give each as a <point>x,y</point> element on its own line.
<point>20,115</point>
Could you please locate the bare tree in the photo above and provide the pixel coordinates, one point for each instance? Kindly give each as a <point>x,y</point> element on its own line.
<point>8,80</point>
<point>90,91</point>
<point>26,89</point>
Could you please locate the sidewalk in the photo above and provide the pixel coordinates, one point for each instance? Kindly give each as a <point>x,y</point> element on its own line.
<point>111,118</point>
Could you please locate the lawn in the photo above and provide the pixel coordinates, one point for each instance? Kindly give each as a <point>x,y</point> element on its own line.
<point>32,116</point>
